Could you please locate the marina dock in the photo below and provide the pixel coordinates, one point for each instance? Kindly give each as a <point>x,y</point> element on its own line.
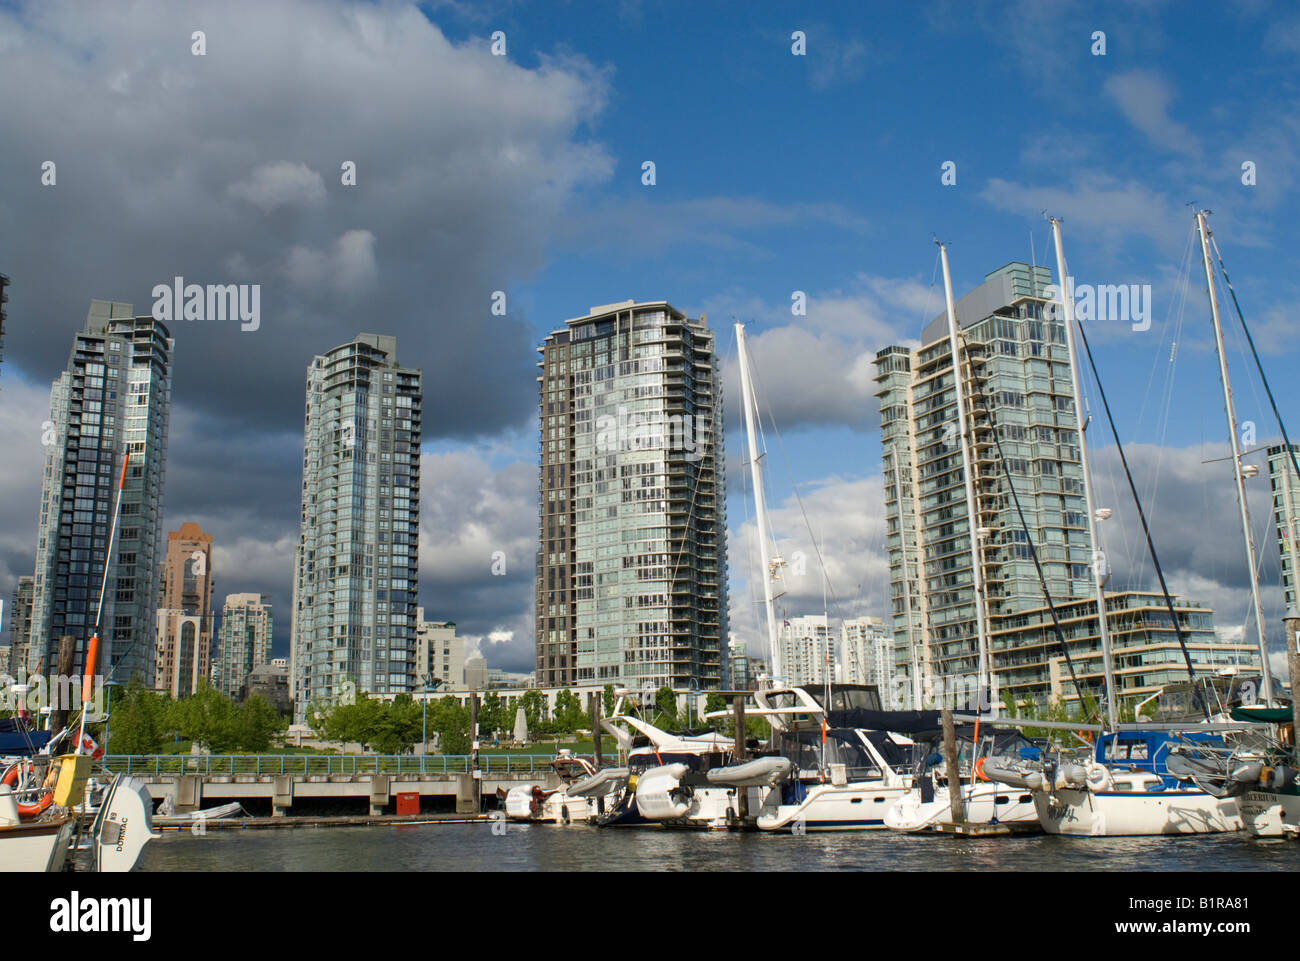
<point>391,785</point>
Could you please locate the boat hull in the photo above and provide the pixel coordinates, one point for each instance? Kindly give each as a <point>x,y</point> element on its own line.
<point>1085,813</point>
<point>557,808</point>
<point>716,808</point>
<point>40,846</point>
<point>828,807</point>
<point>1267,814</point>
<point>986,803</point>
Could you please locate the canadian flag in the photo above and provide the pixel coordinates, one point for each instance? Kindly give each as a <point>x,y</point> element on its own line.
<point>88,746</point>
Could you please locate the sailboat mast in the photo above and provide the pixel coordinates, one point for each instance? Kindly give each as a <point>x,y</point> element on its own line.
<point>760,506</point>
<point>1098,554</point>
<point>973,525</point>
<point>907,590</point>
<point>1231,413</point>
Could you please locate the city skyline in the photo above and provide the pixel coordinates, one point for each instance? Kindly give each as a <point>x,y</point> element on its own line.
<point>559,218</point>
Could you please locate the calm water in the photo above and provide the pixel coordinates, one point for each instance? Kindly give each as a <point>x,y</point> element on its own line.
<point>473,847</point>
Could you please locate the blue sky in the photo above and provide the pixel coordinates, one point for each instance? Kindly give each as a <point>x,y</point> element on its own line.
<point>775,173</point>
<point>835,159</point>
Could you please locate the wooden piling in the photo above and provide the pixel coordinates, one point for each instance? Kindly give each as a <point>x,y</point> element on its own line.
<point>59,688</point>
<point>1292,625</point>
<point>739,755</point>
<point>954,769</point>
<point>595,728</point>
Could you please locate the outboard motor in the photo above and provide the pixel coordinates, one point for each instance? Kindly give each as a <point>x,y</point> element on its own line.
<point>123,825</point>
<point>1281,777</point>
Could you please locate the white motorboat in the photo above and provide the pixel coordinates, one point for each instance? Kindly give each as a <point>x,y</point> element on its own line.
<point>835,770</point>
<point>668,778</point>
<point>585,793</point>
<point>928,803</point>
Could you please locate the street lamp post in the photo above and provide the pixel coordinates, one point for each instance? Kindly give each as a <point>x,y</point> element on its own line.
<point>424,717</point>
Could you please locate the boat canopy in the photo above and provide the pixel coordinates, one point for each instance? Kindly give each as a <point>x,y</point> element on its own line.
<point>1269,715</point>
<point>901,722</point>
<point>15,742</point>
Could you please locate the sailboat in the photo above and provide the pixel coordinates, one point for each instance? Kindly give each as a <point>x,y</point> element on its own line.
<point>1141,781</point>
<point>928,801</point>
<point>41,791</point>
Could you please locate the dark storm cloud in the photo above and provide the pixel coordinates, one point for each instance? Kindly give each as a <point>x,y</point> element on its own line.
<point>225,168</point>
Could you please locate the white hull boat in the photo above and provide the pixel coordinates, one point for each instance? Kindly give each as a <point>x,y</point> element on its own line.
<point>39,846</point>
<point>1135,812</point>
<point>832,807</point>
<point>220,812</point>
<point>1265,814</point>
<point>985,803</point>
<point>586,794</point>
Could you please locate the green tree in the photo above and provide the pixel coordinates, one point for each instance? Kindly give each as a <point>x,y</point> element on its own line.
<point>451,720</point>
<point>137,724</point>
<point>257,722</point>
<point>665,708</point>
<point>359,722</point>
<point>1008,704</point>
<point>607,695</point>
<point>569,715</point>
<point>492,715</point>
<point>389,727</point>
<point>208,718</point>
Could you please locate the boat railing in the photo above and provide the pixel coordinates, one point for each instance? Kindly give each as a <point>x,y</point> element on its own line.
<point>322,765</point>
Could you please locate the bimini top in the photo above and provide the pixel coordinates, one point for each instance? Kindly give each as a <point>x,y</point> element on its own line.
<point>900,722</point>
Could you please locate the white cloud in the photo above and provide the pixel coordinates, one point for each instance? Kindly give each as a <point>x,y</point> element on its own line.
<point>846,515</point>
<point>1143,97</point>
<point>349,267</point>
<point>281,184</point>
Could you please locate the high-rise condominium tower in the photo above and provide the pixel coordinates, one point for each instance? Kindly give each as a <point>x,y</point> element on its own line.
<point>184,644</point>
<point>867,655</point>
<point>631,566</point>
<point>357,564</point>
<point>243,642</point>
<point>114,397</point>
<point>1015,374</point>
<point>807,649</point>
<point>1285,485</point>
<point>20,626</point>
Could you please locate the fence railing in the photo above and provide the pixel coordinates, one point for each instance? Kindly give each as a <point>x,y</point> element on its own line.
<point>323,764</point>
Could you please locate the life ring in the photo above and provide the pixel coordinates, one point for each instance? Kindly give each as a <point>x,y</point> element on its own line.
<point>26,809</point>
<point>979,770</point>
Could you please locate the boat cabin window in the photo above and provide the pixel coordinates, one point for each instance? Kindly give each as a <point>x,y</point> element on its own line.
<point>804,749</point>
<point>1126,751</point>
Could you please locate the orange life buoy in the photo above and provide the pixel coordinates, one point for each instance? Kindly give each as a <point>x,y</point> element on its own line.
<point>27,809</point>
<point>979,770</point>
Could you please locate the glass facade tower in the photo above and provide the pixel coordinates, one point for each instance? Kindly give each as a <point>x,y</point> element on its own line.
<point>115,396</point>
<point>1285,487</point>
<point>631,567</point>
<point>356,580</point>
<point>1016,377</point>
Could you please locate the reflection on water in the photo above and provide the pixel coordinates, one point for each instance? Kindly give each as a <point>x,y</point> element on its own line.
<point>473,847</point>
